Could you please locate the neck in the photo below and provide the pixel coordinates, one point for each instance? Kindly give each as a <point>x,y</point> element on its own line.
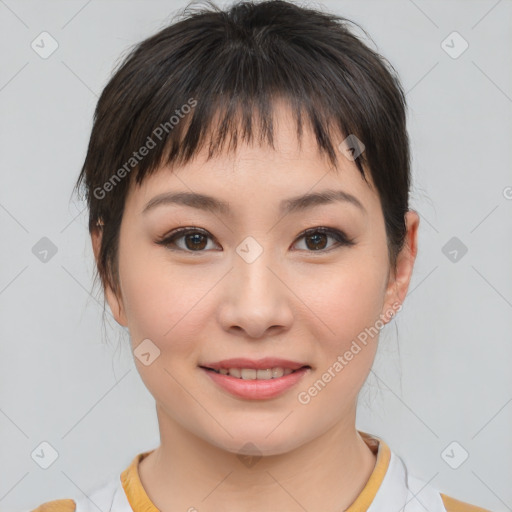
<point>326,474</point>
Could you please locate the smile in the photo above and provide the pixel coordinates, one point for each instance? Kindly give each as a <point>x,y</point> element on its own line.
<point>255,384</point>
<point>255,374</point>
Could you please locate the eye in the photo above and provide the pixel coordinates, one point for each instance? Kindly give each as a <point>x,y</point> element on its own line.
<point>196,239</point>
<point>318,237</point>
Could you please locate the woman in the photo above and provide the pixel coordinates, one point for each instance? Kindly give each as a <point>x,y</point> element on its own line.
<point>248,179</point>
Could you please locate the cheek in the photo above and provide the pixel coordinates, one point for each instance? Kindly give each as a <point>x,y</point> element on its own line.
<point>347,307</point>
<point>348,303</point>
<point>163,302</point>
<point>161,306</point>
<point>344,299</point>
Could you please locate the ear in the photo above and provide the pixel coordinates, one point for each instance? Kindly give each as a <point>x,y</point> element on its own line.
<point>398,282</point>
<point>115,303</point>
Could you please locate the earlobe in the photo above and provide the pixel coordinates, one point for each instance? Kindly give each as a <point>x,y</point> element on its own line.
<point>114,302</point>
<point>400,280</point>
<point>116,306</point>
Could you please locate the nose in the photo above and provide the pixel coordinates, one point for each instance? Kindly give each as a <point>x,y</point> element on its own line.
<point>256,300</point>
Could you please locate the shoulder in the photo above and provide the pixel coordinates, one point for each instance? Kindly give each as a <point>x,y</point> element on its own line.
<point>416,495</point>
<point>66,505</point>
<point>108,496</point>
<point>453,505</point>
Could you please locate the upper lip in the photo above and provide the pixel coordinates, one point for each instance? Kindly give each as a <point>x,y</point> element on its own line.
<point>257,364</point>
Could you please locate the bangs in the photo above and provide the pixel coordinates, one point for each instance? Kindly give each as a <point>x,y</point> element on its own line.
<point>218,86</point>
<point>221,126</point>
<point>213,80</point>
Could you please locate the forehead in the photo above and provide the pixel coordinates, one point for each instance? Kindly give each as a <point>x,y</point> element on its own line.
<point>259,173</point>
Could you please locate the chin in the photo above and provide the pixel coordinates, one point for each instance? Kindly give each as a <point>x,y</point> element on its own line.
<point>257,441</point>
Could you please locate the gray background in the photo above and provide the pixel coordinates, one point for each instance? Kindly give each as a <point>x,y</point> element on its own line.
<point>443,369</point>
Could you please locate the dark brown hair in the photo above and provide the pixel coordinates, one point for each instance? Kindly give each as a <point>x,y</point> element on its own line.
<point>218,72</point>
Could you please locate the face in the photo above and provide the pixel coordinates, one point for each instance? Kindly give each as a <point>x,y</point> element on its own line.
<point>246,282</point>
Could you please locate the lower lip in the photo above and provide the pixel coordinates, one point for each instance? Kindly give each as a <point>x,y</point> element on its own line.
<point>257,389</point>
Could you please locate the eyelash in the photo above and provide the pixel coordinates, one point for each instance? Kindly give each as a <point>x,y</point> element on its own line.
<point>339,236</point>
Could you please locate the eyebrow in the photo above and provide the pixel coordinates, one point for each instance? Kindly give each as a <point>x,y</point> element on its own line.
<point>214,205</point>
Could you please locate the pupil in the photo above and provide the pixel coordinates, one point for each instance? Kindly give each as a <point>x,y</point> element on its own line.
<point>316,242</point>
<point>196,237</point>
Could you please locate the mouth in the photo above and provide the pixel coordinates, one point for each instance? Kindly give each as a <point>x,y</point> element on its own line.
<point>248,379</point>
<point>256,373</point>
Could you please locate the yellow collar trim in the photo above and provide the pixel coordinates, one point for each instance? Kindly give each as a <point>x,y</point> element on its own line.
<point>367,495</point>
<point>140,502</point>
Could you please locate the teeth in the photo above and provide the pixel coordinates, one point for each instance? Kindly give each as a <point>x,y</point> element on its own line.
<point>264,374</point>
<point>277,372</point>
<point>253,374</point>
<point>235,372</point>
<point>248,373</point>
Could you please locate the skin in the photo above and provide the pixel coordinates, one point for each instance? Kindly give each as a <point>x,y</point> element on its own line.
<point>294,302</point>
